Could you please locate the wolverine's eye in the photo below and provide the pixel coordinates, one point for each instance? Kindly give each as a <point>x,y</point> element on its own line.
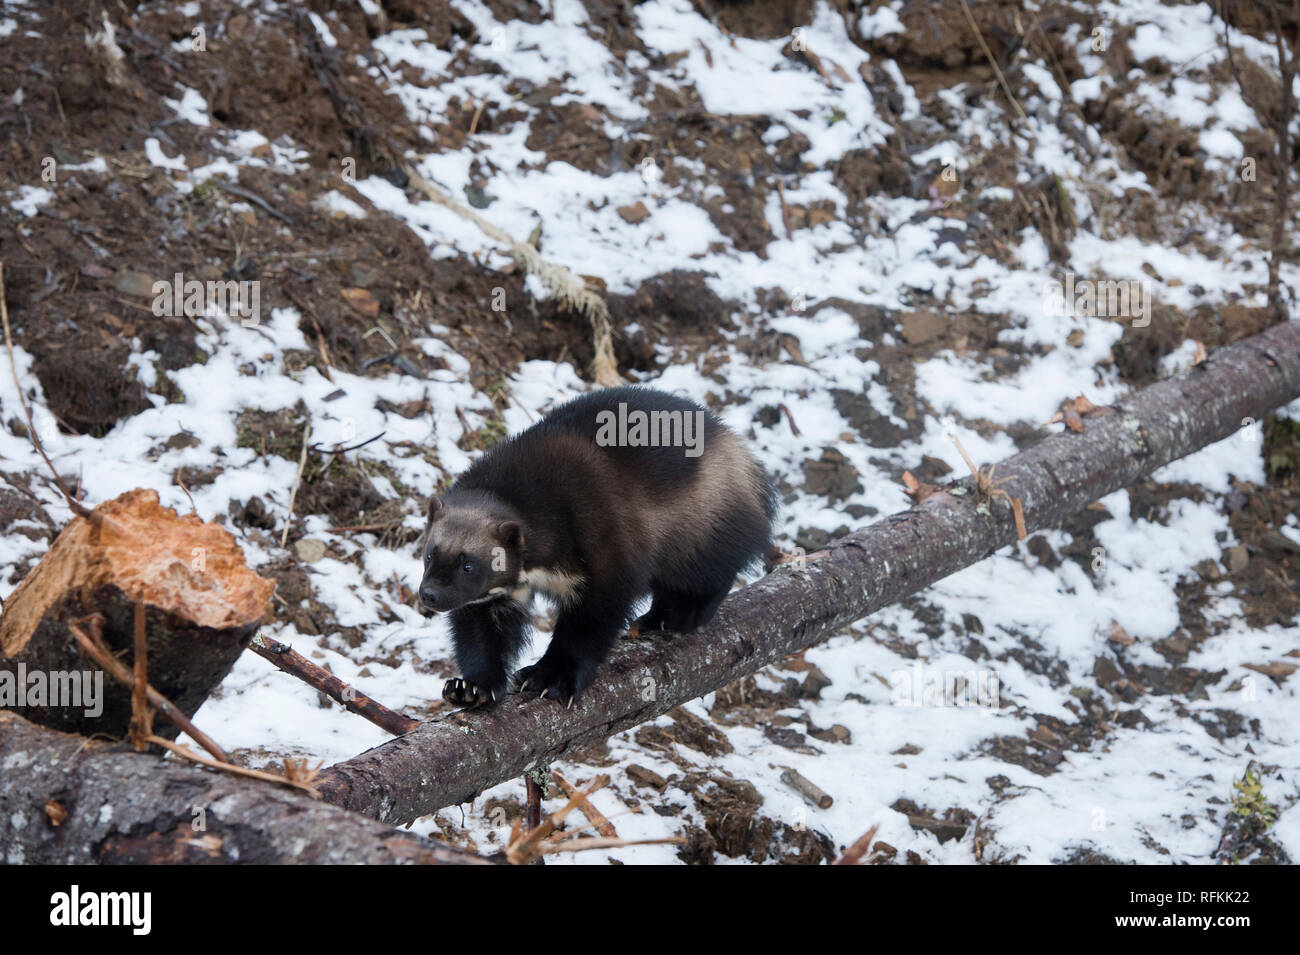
<point>467,567</point>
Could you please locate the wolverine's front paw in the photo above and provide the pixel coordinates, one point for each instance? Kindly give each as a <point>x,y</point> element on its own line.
<point>555,679</point>
<point>460,692</point>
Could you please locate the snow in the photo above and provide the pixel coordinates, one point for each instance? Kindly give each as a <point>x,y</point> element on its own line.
<point>1133,790</point>
<point>191,107</point>
<point>30,199</point>
<point>153,151</point>
<point>335,201</point>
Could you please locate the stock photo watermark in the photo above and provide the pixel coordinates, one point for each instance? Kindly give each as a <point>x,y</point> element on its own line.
<point>651,429</point>
<point>77,908</point>
<point>59,689</point>
<point>193,298</point>
<point>1106,298</point>
<point>921,686</point>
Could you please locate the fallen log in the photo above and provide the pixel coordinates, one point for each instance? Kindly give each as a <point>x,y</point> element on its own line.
<point>203,604</point>
<point>452,759</point>
<point>67,800</point>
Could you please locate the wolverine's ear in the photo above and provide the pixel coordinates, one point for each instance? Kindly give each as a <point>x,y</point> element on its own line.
<point>435,508</point>
<point>510,534</point>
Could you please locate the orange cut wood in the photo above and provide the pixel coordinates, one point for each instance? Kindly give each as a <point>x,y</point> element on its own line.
<point>203,603</point>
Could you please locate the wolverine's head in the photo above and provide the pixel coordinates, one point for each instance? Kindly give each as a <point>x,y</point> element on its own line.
<point>473,551</point>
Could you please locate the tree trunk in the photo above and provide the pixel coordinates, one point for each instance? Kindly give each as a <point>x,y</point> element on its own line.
<point>66,800</point>
<point>202,603</point>
<point>451,760</point>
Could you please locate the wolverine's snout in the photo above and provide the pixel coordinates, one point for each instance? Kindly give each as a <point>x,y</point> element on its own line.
<point>433,597</point>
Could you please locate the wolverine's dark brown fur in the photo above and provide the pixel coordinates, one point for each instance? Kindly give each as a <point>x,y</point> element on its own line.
<point>597,528</point>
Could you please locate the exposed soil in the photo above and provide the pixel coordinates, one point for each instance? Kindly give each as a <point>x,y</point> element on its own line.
<point>79,281</point>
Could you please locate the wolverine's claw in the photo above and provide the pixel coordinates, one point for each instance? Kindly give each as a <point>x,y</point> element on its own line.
<point>552,680</point>
<point>460,692</point>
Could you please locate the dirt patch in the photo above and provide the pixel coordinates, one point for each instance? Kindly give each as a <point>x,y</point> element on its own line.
<point>952,824</point>
<point>364,288</point>
<point>1043,747</point>
<point>677,307</point>
<point>1139,352</point>
<point>760,19</point>
<point>937,48</point>
<point>862,174</point>
<point>573,133</point>
<point>1041,204</point>
<point>278,433</point>
<point>687,730</point>
<point>735,827</point>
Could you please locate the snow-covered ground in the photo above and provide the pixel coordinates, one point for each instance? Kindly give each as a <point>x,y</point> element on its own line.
<point>1149,790</point>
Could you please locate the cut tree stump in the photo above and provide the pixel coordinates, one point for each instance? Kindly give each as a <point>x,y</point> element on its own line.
<point>203,604</point>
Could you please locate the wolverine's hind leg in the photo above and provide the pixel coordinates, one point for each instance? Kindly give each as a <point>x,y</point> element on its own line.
<point>680,611</point>
<point>689,586</point>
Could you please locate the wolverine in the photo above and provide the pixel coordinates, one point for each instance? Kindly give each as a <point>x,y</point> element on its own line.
<point>614,496</point>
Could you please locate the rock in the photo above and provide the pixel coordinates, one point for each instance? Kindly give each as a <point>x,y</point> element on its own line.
<point>309,550</point>
<point>1105,671</point>
<point>839,733</point>
<point>362,276</point>
<point>635,213</point>
<point>478,198</point>
<point>1237,558</point>
<point>921,327</point>
<point>789,739</point>
<point>813,684</point>
<point>1208,570</point>
<point>134,283</point>
<point>180,441</point>
<point>832,477</point>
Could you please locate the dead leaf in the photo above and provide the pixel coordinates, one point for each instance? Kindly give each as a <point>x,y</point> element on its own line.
<point>297,771</point>
<point>362,301</point>
<point>1073,411</point>
<point>918,491</point>
<point>1277,671</point>
<point>791,344</point>
<point>1119,635</point>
